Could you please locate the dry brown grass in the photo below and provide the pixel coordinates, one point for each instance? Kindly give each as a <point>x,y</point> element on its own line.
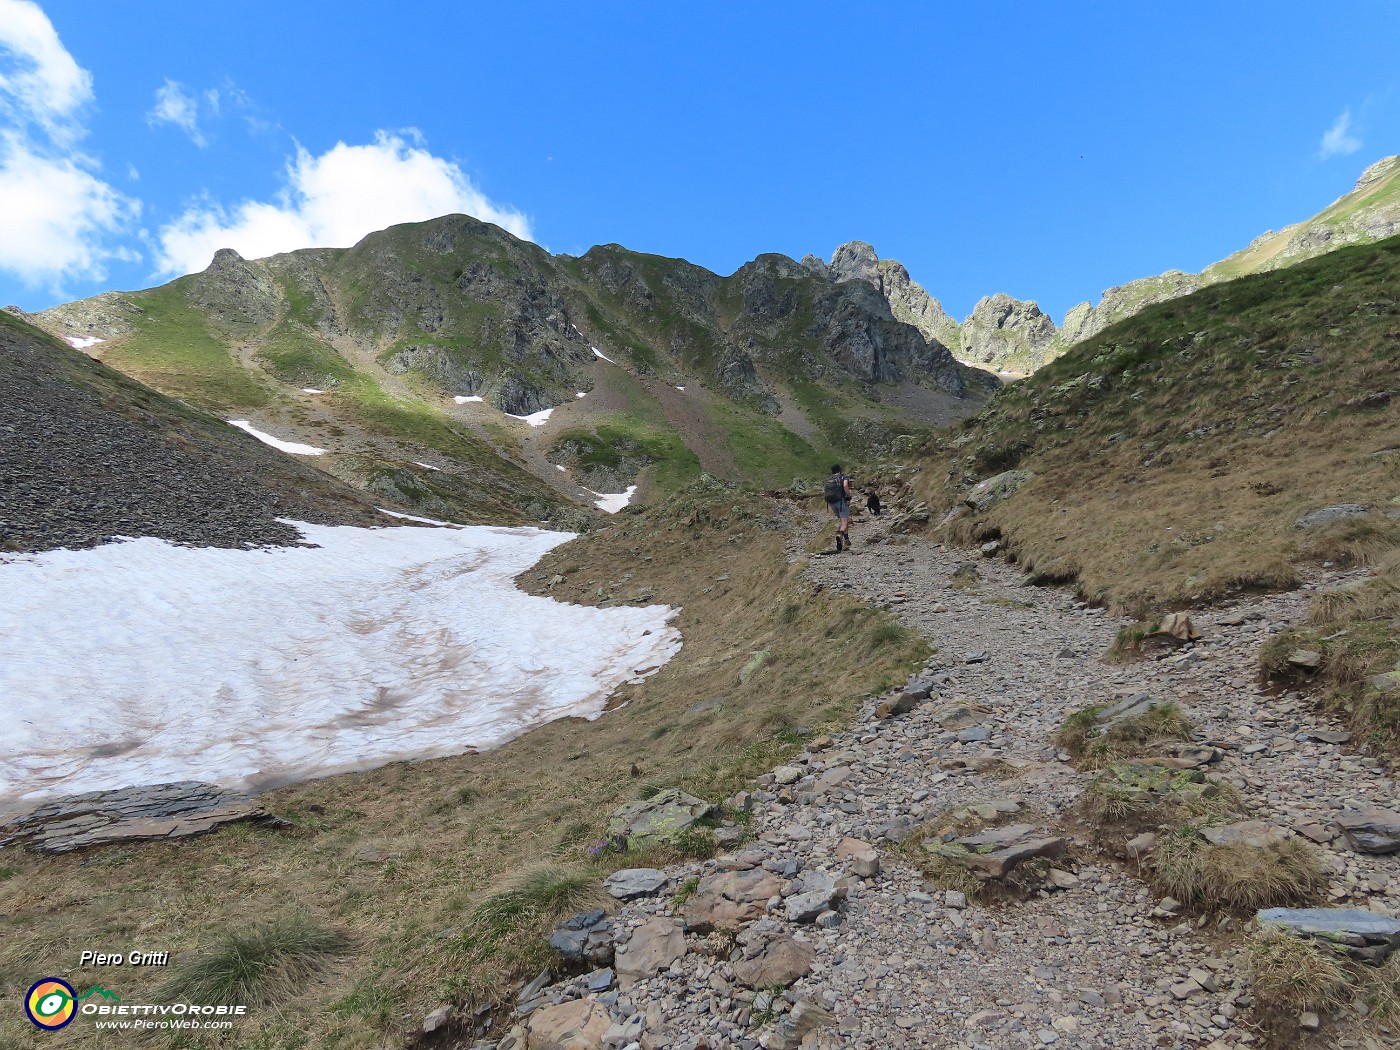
<point>1289,974</point>
<point>1354,628</point>
<point>453,828</point>
<point>1235,876</point>
<point>1126,739</point>
<point>1172,453</point>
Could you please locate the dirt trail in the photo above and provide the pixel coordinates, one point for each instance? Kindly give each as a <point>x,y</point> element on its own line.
<point>1091,959</point>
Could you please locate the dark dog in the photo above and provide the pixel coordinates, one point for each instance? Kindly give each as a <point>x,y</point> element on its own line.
<point>872,503</point>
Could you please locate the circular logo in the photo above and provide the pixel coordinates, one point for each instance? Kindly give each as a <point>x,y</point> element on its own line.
<point>50,1004</point>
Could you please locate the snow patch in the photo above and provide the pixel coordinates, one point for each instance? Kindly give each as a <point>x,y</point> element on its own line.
<point>411,517</point>
<point>614,502</point>
<point>82,343</point>
<point>602,356</point>
<point>581,393</point>
<point>535,419</point>
<point>681,389</point>
<point>560,466</point>
<point>311,390</point>
<point>145,662</point>
<point>425,466</point>
<point>292,447</point>
<point>466,400</point>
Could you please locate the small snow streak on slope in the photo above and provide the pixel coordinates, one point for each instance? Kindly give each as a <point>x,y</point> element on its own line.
<point>144,662</point>
<point>79,343</point>
<point>467,400</point>
<point>602,356</point>
<point>292,447</point>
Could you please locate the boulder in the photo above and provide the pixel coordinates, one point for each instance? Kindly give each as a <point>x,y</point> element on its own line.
<point>585,938</point>
<point>780,961</point>
<point>577,1025</point>
<point>728,900</point>
<point>1179,626</point>
<point>1327,515</point>
<point>994,853</point>
<point>631,883</point>
<point>653,946</point>
<point>792,1031</point>
<point>986,494</point>
<point>659,819</point>
<point>1371,830</point>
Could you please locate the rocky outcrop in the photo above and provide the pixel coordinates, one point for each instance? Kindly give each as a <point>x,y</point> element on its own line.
<point>1008,334</point>
<point>912,305</point>
<point>1084,320</point>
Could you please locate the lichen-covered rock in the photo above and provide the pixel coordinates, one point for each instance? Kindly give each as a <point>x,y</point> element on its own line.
<point>661,818</point>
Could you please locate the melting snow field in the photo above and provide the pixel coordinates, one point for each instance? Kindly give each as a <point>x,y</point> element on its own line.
<point>602,356</point>
<point>143,662</point>
<point>535,419</point>
<point>615,501</point>
<point>291,447</point>
<point>474,399</point>
<point>82,342</point>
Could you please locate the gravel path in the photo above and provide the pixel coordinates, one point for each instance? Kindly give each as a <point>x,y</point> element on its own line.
<point>1090,962</point>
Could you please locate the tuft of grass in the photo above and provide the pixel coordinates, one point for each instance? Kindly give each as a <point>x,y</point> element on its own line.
<point>944,874</point>
<point>684,892</point>
<point>1125,739</point>
<point>267,964</point>
<point>1289,974</point>
<point>1128,643</point>
<point>1236,876</point>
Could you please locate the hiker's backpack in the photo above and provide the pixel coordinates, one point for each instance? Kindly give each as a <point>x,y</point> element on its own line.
<point>835,488</point>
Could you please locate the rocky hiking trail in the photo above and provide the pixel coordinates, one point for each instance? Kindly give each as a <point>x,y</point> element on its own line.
<point>819,926</point>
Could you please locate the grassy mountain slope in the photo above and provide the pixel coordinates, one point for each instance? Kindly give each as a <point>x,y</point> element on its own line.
<point>406,355</point>
<point>1171,455</point>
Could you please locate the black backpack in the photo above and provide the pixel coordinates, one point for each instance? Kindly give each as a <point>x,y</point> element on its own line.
<point>835,488</point>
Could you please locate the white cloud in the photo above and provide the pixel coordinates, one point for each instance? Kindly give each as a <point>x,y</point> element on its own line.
<point>1337,140</point>
<point>333,200</point>
<point>42,82</point>
<point>56,215</point>
<point>53,215</point>
<point>175,105</point>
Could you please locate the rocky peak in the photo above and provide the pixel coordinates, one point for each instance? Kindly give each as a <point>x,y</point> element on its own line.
<point>912,305</point>
<point>1008,333</point>
<point>855,261</point>
<point>1376,172</point>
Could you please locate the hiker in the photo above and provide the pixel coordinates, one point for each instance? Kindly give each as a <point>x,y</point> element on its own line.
<point>872,502</point>
<point>837,491</point>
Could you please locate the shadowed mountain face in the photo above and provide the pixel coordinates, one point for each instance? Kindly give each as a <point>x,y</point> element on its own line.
<point>405,356</point>
<point>91,455</point>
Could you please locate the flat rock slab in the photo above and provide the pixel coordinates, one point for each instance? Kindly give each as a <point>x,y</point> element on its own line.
<point>1366,936</point>
<point>1255,834</point>
<point>1327,515</point>
<point>631,883</point>
<point>160,811</point>
<point>781,960</point>
<point>730,900</point>
<point>1371,830</point>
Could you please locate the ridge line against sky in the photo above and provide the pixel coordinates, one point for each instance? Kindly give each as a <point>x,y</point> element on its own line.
<point>1044,153</point>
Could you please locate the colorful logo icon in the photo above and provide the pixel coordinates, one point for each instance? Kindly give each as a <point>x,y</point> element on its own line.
<point>51,1003</point>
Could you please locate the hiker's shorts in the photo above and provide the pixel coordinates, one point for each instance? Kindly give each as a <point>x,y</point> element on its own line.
<point>842,508</point>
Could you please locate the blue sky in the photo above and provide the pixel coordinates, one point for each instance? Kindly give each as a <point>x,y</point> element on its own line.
<point>1048,150</point>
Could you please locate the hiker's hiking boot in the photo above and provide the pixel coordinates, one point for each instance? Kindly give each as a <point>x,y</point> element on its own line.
<point>838,543</point>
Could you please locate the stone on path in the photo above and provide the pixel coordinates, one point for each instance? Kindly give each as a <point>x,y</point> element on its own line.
<point>729,900</point>
<point>1371,830</point>
<point>1253,833</point>
<point>654,946</point>
<point>1307,659</point>
<point>577,1025</point>
<point>658,819</point>
<point>631,883</point>
<point>820,892</point>
<point>862,857</point>
<point>160,811</point>
<point>780,961</point>
<point>1179,626</point>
